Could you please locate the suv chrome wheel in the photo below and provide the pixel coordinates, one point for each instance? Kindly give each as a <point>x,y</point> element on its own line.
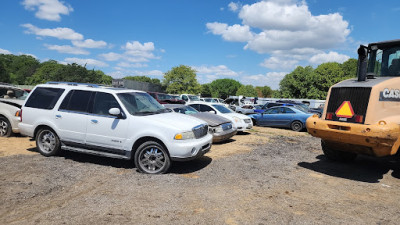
<point>152,158</point>
<point>47,142</point>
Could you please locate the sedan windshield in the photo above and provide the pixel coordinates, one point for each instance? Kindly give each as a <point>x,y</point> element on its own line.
<point>222,109</point>
<point>185,110</point>
<point>194,98</point>
<point>138,103</point>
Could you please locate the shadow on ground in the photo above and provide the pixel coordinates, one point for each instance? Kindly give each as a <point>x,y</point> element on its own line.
<point>364,168</point>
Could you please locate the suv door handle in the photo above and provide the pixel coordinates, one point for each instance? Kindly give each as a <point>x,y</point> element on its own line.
<point>94,121</point>
<point>58,116</point>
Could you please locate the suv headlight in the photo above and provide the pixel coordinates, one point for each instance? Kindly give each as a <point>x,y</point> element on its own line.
<point>184,135</point>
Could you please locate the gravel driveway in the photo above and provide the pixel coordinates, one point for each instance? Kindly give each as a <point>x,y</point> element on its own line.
<point>267,176</point>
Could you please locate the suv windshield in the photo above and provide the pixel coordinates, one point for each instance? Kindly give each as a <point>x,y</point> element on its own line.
<point>138,103</point>
<point>194,98</point>
<point>384,61</point>
<point>222,109</point>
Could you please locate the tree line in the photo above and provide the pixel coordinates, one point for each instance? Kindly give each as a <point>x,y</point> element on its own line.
<point>302,82</point>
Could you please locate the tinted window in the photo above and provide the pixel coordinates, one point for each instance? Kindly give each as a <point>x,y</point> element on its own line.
<point>196,106</point>
<point>273,111</point>
<point>77,100</point>
<point>206,108</point>
<point>287,110</point>
<point>103,102</point>
<point>44,98</point>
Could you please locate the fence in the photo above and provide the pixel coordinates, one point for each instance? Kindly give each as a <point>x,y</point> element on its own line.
<point>137,85</point>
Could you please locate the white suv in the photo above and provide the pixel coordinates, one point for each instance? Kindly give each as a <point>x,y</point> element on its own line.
<point>111,122</point>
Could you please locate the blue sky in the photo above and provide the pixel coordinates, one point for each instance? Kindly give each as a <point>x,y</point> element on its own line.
<point>254,42</point>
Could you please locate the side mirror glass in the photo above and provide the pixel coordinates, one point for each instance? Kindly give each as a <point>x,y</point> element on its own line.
<point>114,112</point>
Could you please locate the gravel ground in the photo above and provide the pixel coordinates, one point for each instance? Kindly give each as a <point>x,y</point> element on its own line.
<point>282,178</point>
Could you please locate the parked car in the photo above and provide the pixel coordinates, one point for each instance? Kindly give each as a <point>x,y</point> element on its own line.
<point>111,122</point>
<point>301,106</point>
<point>11,100</point>
<point>163,98</point>
<point>221,128</point>
<point>240,121</point>
<point>282,116</point>
<point>244,109</point>
<point>189,98</point>
<point>258,109</point>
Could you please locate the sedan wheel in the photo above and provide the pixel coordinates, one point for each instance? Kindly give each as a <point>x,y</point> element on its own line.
<point>5,127</point>
<point>296,126</point>
<point>152,158</point>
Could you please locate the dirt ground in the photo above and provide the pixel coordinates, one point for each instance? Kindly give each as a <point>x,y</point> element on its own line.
<point>266,176</point>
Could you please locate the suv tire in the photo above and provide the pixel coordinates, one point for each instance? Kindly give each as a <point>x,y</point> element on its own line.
<point>5,127</point>
<point>47,142</point>
<point>151,157</point>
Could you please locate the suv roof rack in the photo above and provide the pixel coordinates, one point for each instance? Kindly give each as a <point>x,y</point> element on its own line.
<point>74,84</point>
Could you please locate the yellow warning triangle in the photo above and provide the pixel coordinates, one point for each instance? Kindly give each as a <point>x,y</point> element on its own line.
<point>345,110</point>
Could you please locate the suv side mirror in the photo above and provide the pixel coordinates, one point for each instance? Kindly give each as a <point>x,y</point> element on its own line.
<point>114,112</point>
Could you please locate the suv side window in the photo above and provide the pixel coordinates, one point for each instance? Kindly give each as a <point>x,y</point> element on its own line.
<point>44,98</point>
<point>103,102</point>
<point>76,100</point>
<point>206,108</point>
<point>185,98</point>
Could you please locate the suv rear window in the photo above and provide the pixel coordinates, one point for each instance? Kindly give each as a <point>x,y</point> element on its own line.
<point>44,98</point>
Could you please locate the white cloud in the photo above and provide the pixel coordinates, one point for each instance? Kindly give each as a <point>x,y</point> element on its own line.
<point>89,43</point>
<point>111,56</point>
<point>234,7</point>
<point>89,62</point>
<point>135,46</point>
<point>328,57</point>
<point>48,9</point>
<point>6,52</point>
<point>278,63</point>
<point>131,65</point>
<point>270,79</point>
<point>67,49</point>
<point>220,70</point>
<point>236,33</point>
<point>59,32</point>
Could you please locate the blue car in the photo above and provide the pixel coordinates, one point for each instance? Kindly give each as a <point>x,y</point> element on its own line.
<point>282,116</point>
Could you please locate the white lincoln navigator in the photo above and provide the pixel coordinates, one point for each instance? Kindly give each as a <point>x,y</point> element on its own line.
<point>111,122</point>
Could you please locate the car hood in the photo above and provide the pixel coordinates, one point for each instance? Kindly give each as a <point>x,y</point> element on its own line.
<point>212,119</point>
<point>180,122</point>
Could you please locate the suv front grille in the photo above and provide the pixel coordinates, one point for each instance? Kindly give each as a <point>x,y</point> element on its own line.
<point>358,98</point>
<point>200,131</point>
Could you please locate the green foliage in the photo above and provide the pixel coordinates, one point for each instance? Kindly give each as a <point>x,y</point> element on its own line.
<point>306,82</point>
<point>247,90</point>
<point>206,90</point>
<point>264,92</point>
<point>144,79</point>
<point>223,88</point>
<point>182,79</point>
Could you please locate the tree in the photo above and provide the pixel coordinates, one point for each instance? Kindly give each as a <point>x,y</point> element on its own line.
<point>22,67</point>
<point>182,79</point>
<point>143,79</point>
<point>247,90</point>
<point>350,68</point>
<point>264,92</point>
<point>223,88</point>
<point>206,90</point>
<point>297,83</point>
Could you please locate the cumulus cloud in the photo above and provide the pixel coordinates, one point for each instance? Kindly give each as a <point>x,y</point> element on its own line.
<point>111,56</point>
<point>62,33</point>
<point>220,70</point>
<point>234,7</point>
<point>88,62</point>
<point>131,65</point>
<point>270,79</point>
<point>48,9</point>
<point>328,57</point>
<point>89,43</point>
<point>67,49</point>
<point>5,52</point>
<point>235,33</point>
<point>278,63</point>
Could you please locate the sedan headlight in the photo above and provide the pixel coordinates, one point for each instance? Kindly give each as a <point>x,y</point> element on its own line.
<point>184,135</point>
<point>218,129</point>
<point>236,119</point>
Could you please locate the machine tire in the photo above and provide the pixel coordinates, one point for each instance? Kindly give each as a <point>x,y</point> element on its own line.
<point>335,155</point>
<point>47,142</point>
<point>152,158</point>
<point>5,127</point>
<point>296,126</point>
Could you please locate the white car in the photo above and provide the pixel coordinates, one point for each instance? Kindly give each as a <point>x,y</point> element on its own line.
<point>188,98</point>
<point>240,121</point>
<point>11,100</point>
<point>111,122</point>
